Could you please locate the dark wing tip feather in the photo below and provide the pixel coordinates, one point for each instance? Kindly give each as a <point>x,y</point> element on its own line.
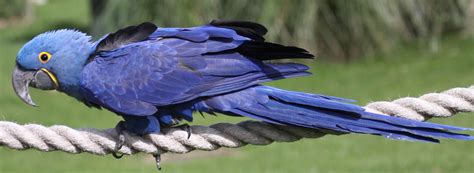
<point>247,29</point>
<point>271,51</point>
<point>126,35</point>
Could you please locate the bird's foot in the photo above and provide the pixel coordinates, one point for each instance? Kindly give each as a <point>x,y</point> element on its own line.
<point>185,127</point>
<point>157,161</point>
<point>120,128</point>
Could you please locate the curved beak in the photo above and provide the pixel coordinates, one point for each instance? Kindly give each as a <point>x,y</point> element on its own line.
<point>41,79</point>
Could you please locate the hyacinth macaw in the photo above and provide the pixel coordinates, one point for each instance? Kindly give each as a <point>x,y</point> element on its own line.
<point>156,77</point>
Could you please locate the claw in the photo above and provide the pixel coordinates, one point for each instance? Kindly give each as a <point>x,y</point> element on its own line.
<point>202,115</point>
<point>120,128</point>
<point>157,161</point>
<point>187,128</point>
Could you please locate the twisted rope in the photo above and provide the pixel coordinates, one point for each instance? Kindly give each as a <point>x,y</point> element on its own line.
<point>439,105</point>
<point>101,142</point>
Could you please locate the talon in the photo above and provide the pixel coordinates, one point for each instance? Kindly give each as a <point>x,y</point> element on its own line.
<point>119,128</point>
<point>157,161</point>
<point>201,114</point>
<point>187,128</point>
<point>117,156</point>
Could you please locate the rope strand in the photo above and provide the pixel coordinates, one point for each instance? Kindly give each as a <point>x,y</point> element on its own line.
<point>439,105</point>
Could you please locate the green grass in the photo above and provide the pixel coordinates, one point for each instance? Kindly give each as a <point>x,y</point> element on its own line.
<point>409,71</point>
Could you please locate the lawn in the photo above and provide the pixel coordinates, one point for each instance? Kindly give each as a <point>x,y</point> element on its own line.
<point>408,71</point>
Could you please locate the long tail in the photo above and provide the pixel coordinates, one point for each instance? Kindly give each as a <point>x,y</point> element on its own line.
<point>324,112</point>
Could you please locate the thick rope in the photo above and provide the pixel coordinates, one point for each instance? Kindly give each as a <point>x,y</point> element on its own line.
<point>439,105</point>
<point>101,142</point>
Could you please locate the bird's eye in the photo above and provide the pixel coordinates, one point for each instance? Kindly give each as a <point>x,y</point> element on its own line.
<point>44,57</point>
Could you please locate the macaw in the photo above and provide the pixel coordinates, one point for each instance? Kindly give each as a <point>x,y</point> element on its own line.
<point>156,77</point>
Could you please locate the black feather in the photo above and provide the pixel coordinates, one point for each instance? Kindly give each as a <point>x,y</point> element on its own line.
<point>125,36</point>
<point>271,51</point>
<point>247,29</point>
<point>258,48</point>
<point>268,51</point>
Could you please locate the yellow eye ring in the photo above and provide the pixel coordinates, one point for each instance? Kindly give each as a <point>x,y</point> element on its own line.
<point>44,57</point>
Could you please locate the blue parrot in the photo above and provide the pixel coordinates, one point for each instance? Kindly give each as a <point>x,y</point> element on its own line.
<point>157,77</point>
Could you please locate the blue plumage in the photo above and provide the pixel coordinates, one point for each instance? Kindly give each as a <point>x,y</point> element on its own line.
<point>313,111</point>
<point>155,77</point>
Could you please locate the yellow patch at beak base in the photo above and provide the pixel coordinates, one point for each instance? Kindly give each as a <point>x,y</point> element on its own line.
<point>52,76</point>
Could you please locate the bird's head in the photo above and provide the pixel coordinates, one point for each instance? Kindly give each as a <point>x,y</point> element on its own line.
<point>52,60</point>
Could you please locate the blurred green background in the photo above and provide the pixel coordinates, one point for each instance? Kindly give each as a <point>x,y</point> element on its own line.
<point>368,50</point>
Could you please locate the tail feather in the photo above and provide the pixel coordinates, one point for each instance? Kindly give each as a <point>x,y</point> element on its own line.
<point>319,112</point>
<point>392,135</point>
<point>310,100</point>
<point>347,121</point>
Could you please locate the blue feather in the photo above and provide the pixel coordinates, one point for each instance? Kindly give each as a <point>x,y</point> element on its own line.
<point>142,125</point>
<point>197,34</point>
<point>318,112</point>
<point>165,117</point>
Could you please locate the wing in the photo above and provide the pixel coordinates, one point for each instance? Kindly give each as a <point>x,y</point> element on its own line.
<point>173,65</point>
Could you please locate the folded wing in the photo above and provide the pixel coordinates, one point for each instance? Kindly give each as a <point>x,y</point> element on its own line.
<point>135,75</point>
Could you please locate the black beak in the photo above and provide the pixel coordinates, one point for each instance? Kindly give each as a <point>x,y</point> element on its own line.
<point>41,79</point>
